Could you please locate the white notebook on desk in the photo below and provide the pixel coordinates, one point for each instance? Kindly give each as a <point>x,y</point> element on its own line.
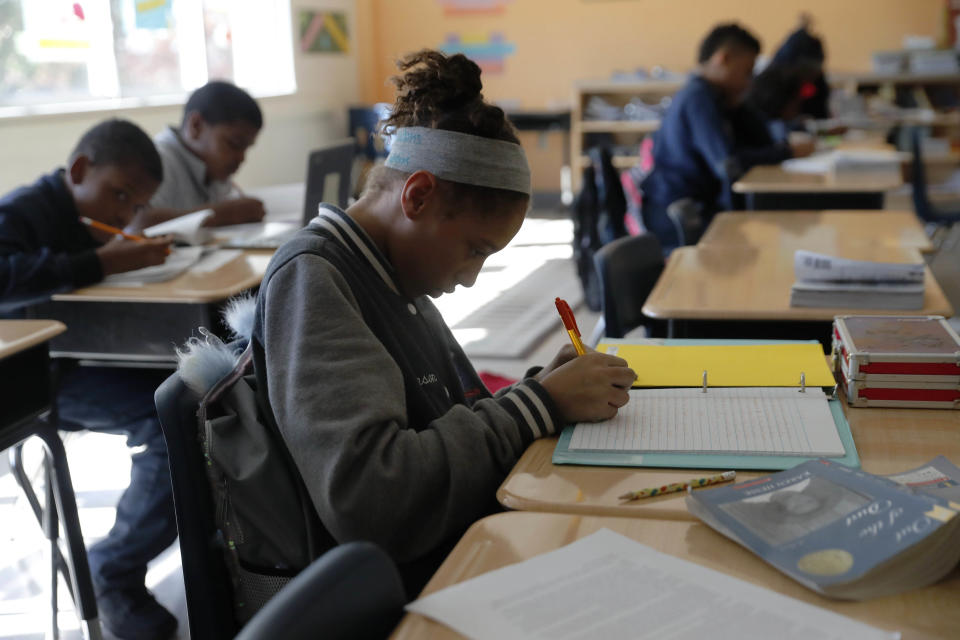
<point>179,260</point>
<point>740,420</point>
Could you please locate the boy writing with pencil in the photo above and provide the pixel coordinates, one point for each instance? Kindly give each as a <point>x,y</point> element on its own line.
<point>220,123</point>
<point>45,247</point>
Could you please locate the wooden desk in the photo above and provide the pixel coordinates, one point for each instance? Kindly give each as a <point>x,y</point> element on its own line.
<point>25,371</point>
<point>26,394</point>
<point>507,538</point>
<point>821,231</point>
<point>753,283</point>
<point>770,187</point>
<point>888,441</point>
<point>143,324</point>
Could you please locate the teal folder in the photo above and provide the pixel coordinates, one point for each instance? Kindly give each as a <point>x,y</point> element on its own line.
<point>564,455</point>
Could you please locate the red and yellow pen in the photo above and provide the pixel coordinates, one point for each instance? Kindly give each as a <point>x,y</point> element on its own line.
<point>570,324</point>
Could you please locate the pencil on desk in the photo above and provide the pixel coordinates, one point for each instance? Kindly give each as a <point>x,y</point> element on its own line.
<point>96,224</point>
<point>693,483</point>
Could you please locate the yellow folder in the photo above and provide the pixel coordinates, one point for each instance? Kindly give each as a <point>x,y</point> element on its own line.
<point>763,365</point>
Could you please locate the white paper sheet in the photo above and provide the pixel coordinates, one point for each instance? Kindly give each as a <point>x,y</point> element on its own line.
<point>214,260</point>
<point>743,420</point>
<point>179,260</point>
<point>811,267</point>
<point>254,235</point>
<point>608,586</point>
<point>186,228</point>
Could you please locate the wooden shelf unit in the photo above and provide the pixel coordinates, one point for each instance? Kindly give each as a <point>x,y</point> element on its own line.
<point>624,132</point>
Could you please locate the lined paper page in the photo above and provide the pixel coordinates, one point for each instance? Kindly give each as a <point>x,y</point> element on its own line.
<point>747,420</point>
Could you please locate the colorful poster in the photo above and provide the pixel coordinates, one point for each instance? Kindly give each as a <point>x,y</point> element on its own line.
<point>152,14</point>
<point>488,51</point>
<point>323,32</point>
<point>473,7</point>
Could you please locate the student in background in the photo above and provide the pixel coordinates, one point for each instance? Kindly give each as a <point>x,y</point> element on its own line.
<point>805,49</point>
<point>220,123</point>
<point>778,95</point>
<point>392,431</point>
<point>44,248</point>
<point>702,146</point>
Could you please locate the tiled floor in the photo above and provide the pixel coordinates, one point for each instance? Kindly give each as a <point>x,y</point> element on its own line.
<point>100,464</point>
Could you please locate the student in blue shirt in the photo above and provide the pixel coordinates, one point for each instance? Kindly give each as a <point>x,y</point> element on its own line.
<point>44,247</point>
<point>707,139</point>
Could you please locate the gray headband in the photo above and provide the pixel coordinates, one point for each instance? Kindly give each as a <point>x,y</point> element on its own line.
<point>460,157</point>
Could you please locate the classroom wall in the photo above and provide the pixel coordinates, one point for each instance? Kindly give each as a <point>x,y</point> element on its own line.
<point>327,85</point>
<point>559,41</point>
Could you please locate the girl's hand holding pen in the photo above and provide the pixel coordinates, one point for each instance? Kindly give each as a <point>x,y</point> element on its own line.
<point>590,387</point>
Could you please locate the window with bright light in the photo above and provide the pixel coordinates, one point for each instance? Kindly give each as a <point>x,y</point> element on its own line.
<point>57,52</point>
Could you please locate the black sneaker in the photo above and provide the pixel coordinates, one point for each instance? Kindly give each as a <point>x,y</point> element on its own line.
<point>134,614</point>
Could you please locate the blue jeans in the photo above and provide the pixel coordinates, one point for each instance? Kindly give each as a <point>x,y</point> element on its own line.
<point>110,400</point>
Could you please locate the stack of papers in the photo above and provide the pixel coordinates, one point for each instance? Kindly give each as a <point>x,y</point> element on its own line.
<point>827,281</point>
<point>849,163</point>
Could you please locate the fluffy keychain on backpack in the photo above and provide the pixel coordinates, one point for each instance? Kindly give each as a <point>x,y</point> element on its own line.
<point>205,360</point>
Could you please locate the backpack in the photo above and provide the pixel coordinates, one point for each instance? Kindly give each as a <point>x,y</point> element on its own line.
<point>264,517</point>
<point>598,213</point>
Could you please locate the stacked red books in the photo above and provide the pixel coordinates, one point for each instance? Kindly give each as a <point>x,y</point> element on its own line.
<point>897,361</point>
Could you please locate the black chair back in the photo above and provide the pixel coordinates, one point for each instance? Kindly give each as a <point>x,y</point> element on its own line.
<point>353,592</point>
<point>628,268</point>
<point>921,201</point>
<point>329,168</point>
<point>205,577</point>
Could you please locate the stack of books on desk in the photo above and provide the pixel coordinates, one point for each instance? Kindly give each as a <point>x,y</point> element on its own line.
<point>841,532</point>
<point>897,361</point>
<point>827,281</point>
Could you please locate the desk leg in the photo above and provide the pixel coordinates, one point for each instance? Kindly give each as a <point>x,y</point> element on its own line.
<point>51,529</point>
<point>66,502</point>
<point>16,467</point>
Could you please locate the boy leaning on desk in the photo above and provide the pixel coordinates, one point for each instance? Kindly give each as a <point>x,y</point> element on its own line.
<point>220,123</point>
<point>44,248</point>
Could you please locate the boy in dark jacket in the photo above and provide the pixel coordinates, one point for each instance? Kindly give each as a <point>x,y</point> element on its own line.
<point>707,140</point>
<point>45,248</point>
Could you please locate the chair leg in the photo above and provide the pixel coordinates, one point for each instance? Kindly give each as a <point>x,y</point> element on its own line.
<point>66,502</point>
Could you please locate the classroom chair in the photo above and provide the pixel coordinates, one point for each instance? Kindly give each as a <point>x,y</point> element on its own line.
<point>329,177</point>
<point>628,269</point>
<point>353,590</point>
<point>935,219</point>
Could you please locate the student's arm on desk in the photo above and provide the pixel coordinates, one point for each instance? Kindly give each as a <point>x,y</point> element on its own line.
<point>225,212</point>
<point>339,401</point>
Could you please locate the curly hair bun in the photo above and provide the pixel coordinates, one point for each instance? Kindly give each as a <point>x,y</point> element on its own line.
<point>444,92</point>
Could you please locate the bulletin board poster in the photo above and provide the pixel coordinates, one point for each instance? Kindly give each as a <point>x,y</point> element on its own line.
<point>323,31</point>
<point>152,14</point>
<point>490,50</point>
<point>61,30</point>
